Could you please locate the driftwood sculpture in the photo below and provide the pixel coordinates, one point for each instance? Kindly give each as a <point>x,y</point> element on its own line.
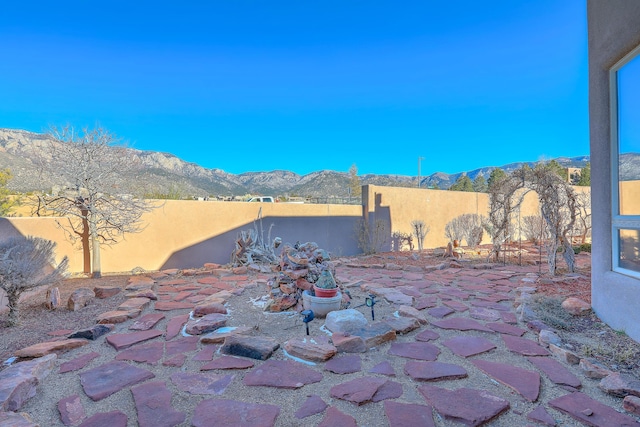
<point>252,248</point>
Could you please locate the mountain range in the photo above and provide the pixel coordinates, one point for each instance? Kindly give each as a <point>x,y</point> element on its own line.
<point>164,173</point>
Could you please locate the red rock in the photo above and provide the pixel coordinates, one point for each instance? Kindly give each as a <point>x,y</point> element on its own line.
<point>206,354</point>
<point>219,335</point>
<point>578,405</point>
<point>524,346</point>
<point>153,405</point>
<point>260,348</point>
<point>415,350</point>
<point>80,298</point>
<point>147,353</point>
<point>556,372</point>
<point>281,374</point>
<point>228,362</point>
<point>440,312</point>
<point>524,382</point>
<point>504,328</point>
<point>52,299</point>
<point>508,317</point>
<point>485,314</point>
<point>631,404</point>
<point>146,322</point>
<point>310,348</point>
<point>576,306</point>
<point>205,308</point>
<point>117,316</point>
<point>71,410</point>
<point>383,368</point>
<point>44,348</point>
<point>461,324</point>
<point>313,405</point>
<point>92,333</point>
<point>18,382</point>
<point>175,325</point>
<point>143,293</point>
<point>344,365</point>
<point>232,413</point>
<point>134,304</point>
<point>78,363</point>
<point>466,346</point>
<point>425,302</point>
<point>565,355</point>
<point>106,419</point>
<point>359,390</point>
<point>201,383</point>
<point>433,371</point>
<point>456,305</point>
<point>593,370</point>
<point>111,377</point>
<point>467,406</point>
<point>541,416</point>
<point>408,414</point>
<point>171,305</point>
<point>402,325</point>
<point>427,335</point>
<point>181,345</point>
<point>620,385</point>
<point>13,419</point>
<point>122,341</point>
<point>388,390</point>
<point>334,418</point>
<point>205,324</point>
<point>176,361</point>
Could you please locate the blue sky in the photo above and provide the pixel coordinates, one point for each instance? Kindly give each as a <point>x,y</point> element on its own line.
<point>304,86</point>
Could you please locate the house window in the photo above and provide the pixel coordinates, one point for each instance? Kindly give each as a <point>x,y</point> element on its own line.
<point>625,104</point>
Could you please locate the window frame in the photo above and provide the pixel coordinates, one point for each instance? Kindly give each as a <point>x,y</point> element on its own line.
<point>618,221</point>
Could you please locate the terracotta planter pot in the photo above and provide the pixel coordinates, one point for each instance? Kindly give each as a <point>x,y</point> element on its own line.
<point>325,293</point>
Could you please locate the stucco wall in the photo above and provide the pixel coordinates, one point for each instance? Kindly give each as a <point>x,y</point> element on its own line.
<point>614,31</point>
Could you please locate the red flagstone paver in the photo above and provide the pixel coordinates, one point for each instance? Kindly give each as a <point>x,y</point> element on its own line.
<point>106,419</point>
<point>408,414</point>
<point>541,416</point>
<point>71,410</point>
<point>524,382</point>
<point>461,324</point>
<point>111,377</point>
<point>466,346</point>
<point>228,362</point>
<point>415,350</point>
<point>434,371</point>
<point>146,322</point>
<point>504,328</point>
<point>427,335</point>
<point>509,317</point>
<point>147,353</point>
<point>556,371</point>
<point>175,361</point>
<point>206,353</point>
<point>232,413</point>
<point>489,304</point>
<point>440,312</point>
<point>172,305</point>
<point>388,390</point>
<point>344,365</point>
<point>456,305</point>
<point>78,363</point>
<point>281,374</point>
<point>425,302</point>
<point>181,345</point>
<point>174,325</point>
<point>122,341</point>
<point>484,314</point>
<point>313,405</point>
<point>383,368</point>
<point>464,405</point>
<point>139,303</point>
<point>201,383</point>
<point>359,390</point>
<point>523,346</point>
<point>591,412</point>
<point>334,417</point>
<point>153,405</point>
<point>48,347</point>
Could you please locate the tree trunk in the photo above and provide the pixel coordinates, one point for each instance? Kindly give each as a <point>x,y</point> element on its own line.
<point>86,247</point>
<point>12,303</point>
<point>96,269</point>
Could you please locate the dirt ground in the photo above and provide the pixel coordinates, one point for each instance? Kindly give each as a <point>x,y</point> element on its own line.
<point>590,336</point>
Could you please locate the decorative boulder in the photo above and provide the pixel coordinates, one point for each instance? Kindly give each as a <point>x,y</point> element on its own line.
<point>345,321</point>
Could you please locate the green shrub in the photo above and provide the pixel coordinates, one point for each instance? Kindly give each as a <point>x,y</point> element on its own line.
<point>585,247</point>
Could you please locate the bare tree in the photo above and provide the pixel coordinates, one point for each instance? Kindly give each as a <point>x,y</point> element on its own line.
<point>558,208</point>
<point>466,226</point>
<point>454,230</point>
<point>90,166</point>
<point>504,198</point>
<point>533,227</point>
<point>420,231</point>
<point>583,219</point>
<point>27,263</point>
